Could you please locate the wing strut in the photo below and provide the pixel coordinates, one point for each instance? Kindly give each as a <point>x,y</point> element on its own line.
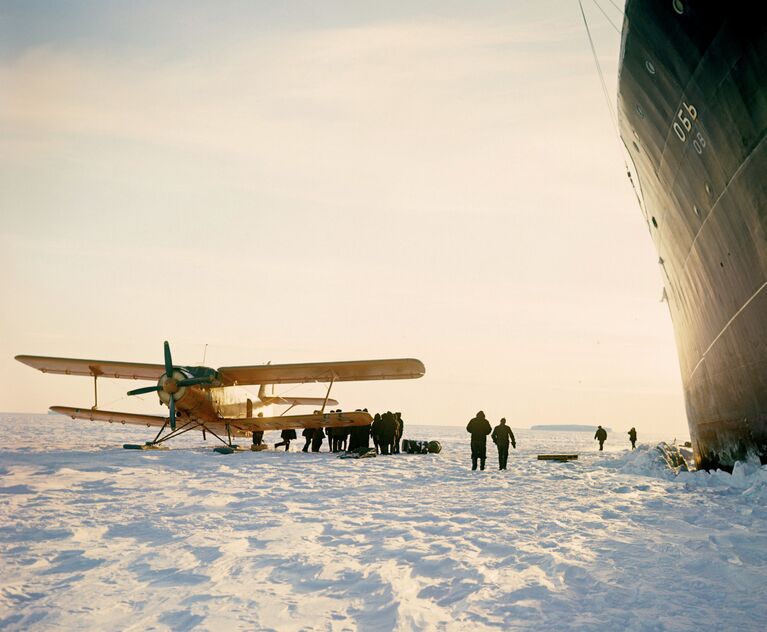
<point>285,412</point>
<point>327,395</point>
<point>158,440</point>
<point>175,432</point>
<point>95,391</point>
<point>186,427</point>
<point>164,426</point>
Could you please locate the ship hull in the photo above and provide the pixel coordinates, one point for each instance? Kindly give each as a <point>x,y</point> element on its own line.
<point>692,109</point>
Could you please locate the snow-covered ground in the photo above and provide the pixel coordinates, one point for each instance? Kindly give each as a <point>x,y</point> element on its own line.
<point>96,537</point>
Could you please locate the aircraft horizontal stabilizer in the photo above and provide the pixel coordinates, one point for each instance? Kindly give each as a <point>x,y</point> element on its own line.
<point>287,400</point>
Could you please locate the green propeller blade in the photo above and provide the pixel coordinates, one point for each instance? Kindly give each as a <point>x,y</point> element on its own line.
<point>172,406</point>
<point>169,375</point>
<point>145,389</point>
<point>168,361</point>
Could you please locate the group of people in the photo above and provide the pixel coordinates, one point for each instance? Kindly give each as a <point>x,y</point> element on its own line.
<point>601,436</point>
<point>479,428</point>
<point>385,431</point>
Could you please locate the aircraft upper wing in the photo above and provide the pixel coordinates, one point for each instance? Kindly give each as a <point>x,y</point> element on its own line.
<point>352,371</point>
<point>99,368</point>
<point>110,416</point>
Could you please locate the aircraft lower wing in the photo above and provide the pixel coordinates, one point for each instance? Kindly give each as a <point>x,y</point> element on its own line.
<point>295,421</point>
<point>237,426</point>
<point>110,416</point>
<point>97,368</point>
<point>352,371</point>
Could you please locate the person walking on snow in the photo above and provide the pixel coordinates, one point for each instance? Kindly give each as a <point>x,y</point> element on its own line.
<point>287,436</point>
<point>501,436</point>
<point>308,433</point>
<point>633,437</point>
<point>601,436</point>
<point>479,428</point>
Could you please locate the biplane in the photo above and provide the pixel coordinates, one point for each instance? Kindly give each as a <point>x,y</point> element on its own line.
<point>201,398</point>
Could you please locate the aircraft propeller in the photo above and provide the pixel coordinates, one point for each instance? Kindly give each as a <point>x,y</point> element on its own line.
<point>171,383</point>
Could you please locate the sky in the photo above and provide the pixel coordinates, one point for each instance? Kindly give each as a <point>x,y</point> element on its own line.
<point>313,181</point>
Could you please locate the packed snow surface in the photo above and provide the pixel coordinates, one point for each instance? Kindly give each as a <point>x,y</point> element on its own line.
<point>96,537</point>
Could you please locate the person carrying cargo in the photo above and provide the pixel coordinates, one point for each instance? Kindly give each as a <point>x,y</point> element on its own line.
<point>479,428</point>
<point>633,437</point>
<point>501,436</point>
<point>601,436</point>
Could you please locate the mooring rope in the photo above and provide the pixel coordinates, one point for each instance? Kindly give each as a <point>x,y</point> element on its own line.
<point>605,93</point>
<point>607,17</point>
<point>613,116</point>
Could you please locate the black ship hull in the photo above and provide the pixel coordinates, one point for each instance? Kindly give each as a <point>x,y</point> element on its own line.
<point>692,107</point>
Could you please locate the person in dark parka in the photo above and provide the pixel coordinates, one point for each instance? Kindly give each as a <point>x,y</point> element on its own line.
<point>317,436</point>
<point>359,436</point>
<point>375,431</point>
<point>363,441</point>
<point>398,432</point>
<point>287,437</point>
<point>601,436</point>
<point>308,433</point>
<point>337,437</point>
<point>479,427</point>
<point>334,438</point>
<point>258,437</point>
<point>386,432</point>
<point>633,437</point>
<point>501,436</point>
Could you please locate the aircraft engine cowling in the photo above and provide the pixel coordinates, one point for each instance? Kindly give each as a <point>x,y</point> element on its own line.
<point>167,386</point>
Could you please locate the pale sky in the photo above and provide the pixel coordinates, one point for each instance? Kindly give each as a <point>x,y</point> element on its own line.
<point>329,181</point>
